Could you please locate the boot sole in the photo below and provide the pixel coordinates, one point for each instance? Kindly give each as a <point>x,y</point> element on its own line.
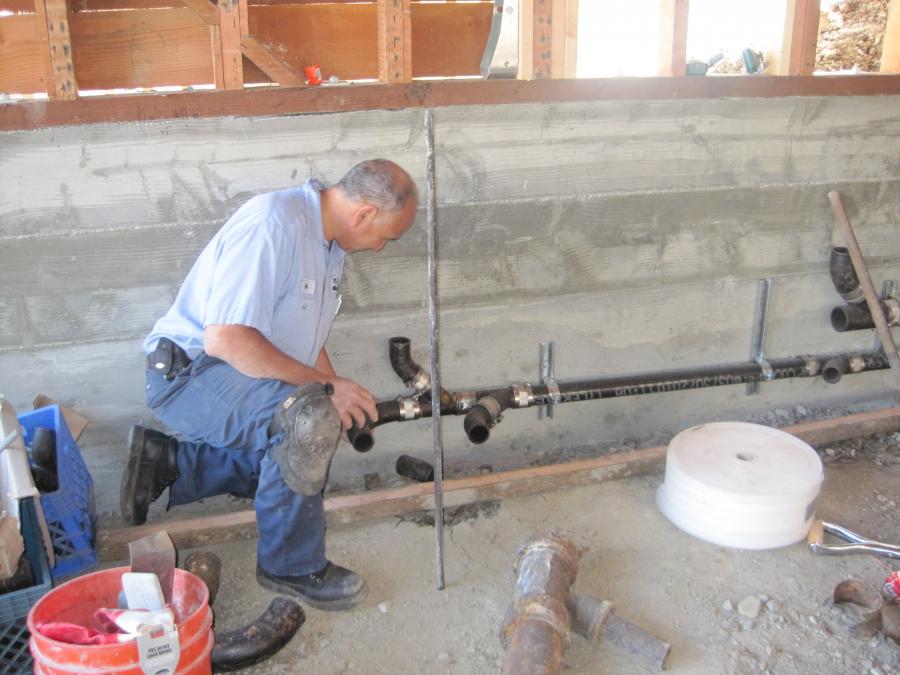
<point>130,477</point>
<point>327,605</point>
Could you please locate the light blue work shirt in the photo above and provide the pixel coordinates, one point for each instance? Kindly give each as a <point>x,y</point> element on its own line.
<point>270,268</point>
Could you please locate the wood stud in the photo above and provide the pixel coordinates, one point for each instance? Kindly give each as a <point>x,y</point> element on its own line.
<point>890,50</point>
<point>54,35</point>
<point>542,38</point>
<point>673,29</point>
<point>394,40</point>
<point>801,36</point>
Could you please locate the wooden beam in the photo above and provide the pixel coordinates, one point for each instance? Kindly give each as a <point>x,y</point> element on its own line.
<point>145,107</point>
<point>542,39</point>
<point>232,44</point>
<point>558,40</point>
<point>204,9</point>
<point>801,36</point>
<point>244,12</point>
<point>395,41</point>
<point>571,39</point>
<point>270,64</point>
<point>673,29</point>
<point>890,49</point>
<point>345,509</point>
<point>53,32</point>
<point>526,39</point>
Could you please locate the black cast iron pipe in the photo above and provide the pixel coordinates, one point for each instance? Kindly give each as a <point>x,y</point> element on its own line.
<point>852,317</point>
<point>486,412</point>
<point>843,275</point>
<point>483,409</point>
<point>834,369</point>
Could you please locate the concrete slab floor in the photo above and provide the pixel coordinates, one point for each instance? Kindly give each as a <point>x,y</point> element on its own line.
<point>684,590</point>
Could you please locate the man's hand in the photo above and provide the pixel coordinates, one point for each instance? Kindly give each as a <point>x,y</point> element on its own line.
<point>353,402</point>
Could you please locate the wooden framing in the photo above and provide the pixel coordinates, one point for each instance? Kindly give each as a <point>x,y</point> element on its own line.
<point>204,9</point>
<point>542,38</point>
<point>54,35</point>
<point>801,36</point>
<point>890,48</point>
<point>39,114</point>
<point>345,509</point>
<point>673,30</point>
<point>394,40</point>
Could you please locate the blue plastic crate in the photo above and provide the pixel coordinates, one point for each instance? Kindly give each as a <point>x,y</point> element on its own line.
<point>14,654</point>
<point>69,511</point>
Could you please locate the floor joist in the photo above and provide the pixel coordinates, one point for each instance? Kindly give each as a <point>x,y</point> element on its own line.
<point>345,509</point>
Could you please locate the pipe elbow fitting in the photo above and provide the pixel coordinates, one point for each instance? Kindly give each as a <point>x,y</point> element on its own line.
<point>835,369</point>
<point>399,349</point>
<point>851,317</point>
<point>481,417</point>
<point>843,275</point>
<point>361,438</point>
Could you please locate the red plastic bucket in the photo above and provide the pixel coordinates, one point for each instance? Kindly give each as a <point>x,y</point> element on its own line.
<point>77,600</point>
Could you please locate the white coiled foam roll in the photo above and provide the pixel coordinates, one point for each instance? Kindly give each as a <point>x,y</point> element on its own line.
<point>740,485</point>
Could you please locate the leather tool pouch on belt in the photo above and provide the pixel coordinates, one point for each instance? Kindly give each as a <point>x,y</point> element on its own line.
<point>312,429</point>
<point>168,359</point>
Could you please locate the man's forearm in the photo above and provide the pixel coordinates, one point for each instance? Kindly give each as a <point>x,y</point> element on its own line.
<point>248,351</point>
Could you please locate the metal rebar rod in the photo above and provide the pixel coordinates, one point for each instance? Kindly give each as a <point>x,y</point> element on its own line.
<point>431,227</point>
<point>862,271</point>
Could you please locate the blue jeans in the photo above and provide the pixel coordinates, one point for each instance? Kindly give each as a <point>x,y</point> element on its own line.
<point>224,418</point>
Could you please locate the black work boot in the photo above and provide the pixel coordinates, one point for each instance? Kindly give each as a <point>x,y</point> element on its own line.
<point>152,468</point>
<point>333,587</point>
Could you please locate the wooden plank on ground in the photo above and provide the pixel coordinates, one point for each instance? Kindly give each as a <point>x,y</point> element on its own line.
<point>394,41</point>
<point>345,509</point>
<point>801,36</point>
<point>890,49</point>
<point>673,29</point>
<point>53,27</point>
<point>41,114</point>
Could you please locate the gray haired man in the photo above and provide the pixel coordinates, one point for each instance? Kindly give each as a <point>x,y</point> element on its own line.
<point>238,365</point>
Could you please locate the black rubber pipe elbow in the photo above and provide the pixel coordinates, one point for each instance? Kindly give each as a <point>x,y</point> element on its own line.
<point>485,414</point>
<point>835,369</point>
<point>399,349</point>
<point>851,317</point>
<point>843,275</point>
<point>478,423</point>
<point>361,438</point>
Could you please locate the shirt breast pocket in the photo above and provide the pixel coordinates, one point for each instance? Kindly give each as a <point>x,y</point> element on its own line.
<point>295,325</point>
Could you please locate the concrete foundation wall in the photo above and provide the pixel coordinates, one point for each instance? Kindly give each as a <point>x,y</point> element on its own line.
<point>633,234</point>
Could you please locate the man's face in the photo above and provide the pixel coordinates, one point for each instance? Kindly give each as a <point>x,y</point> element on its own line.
<point>384,226</point>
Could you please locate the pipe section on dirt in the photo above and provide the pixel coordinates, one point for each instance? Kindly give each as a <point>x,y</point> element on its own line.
<point>537,623</point>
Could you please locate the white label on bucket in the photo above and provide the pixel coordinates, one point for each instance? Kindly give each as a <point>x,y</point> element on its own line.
<point>159,650</point>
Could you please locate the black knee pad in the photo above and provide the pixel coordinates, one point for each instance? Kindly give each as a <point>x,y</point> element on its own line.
<point>312,430</point>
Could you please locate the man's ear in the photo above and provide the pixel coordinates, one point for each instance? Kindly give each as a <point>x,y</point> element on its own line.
<point>364,213</point>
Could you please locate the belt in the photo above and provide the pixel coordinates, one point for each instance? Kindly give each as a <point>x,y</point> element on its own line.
<point>168,359</point>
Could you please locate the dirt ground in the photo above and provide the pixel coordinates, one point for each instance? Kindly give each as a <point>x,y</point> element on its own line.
<point>682,589</point>
<point>851,33</point>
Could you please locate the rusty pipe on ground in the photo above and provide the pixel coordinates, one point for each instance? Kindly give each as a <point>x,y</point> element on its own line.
<point>595,620</point>
<point>537,623</point>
